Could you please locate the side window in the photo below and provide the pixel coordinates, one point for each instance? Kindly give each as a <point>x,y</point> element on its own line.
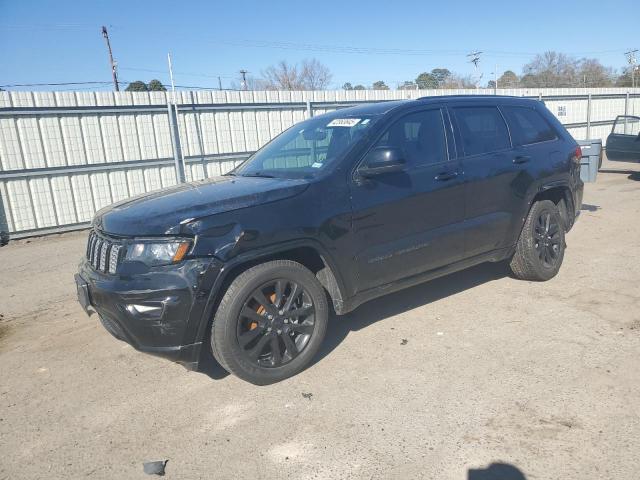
<point>627,126</point>
<point>482,129</point>
<point>419,136</point>
<point>527,126</point>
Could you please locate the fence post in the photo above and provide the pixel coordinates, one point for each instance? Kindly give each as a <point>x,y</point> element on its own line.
<point>172,110</point>
<point>309,109</point>
<point>588,117</point>
<point>4,226</point>
<point>626,104</point>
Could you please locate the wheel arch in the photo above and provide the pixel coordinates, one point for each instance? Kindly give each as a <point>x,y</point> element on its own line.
<point>307,253</point>
<point>560,194</point>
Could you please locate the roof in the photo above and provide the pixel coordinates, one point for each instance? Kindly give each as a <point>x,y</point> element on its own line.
<point>380,108</point>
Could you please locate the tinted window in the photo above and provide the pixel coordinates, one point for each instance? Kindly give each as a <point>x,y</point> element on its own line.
<point>308,147</point>
<point>527,126</point>
<point>627,126</point>
<point>419,136</point>
<point>483,130</point>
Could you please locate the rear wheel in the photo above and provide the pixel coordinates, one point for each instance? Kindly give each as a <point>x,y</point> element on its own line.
<point>270,322</point>
<point>540,248</point>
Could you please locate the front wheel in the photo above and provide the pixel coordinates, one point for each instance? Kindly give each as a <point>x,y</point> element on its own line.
<point>270,322</point>
<point>540,248</point>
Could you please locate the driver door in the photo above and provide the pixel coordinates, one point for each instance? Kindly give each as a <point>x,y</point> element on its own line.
<point>624,141</point>
<point>409,222</point>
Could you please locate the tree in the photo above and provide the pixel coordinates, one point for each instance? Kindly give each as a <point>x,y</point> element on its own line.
<point>408,85</point>
<point>137,86</point>
<point>156,86</point>
<point>315,75</point>
<point>550,69</point>
<point>282,77</point>
<point>508,80</point>
<point>379,85</point>
<point>309,75</point>
<point>624,80</point>
<point>441,75</point>
<point>593,74</point>
<point>359,87</point>
<point>426,80</point>
<point>347,86</point>
<point>491,84</point>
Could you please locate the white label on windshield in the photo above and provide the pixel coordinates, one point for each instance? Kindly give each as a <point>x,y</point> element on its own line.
<point>343,122</point>
<point>316,165</point>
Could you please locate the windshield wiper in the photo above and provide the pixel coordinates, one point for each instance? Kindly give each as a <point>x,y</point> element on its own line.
<point>258,174</point>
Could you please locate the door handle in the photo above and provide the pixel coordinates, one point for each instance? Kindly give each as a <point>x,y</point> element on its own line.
<point>521,159</point>
<point>443,177</point>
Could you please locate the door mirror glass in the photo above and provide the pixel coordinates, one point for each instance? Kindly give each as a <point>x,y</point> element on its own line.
<point>382,160</point>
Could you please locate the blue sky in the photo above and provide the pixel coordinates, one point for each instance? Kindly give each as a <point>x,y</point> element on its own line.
<point>361,42</point>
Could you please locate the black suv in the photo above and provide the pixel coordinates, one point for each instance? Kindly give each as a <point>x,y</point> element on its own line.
<point>338,209</point>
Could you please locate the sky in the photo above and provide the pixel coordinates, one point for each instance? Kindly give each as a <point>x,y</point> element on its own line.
<point>60,41</point>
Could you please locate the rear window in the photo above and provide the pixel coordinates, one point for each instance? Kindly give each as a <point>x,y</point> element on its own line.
<point>527,126</point>
<point>482,129</point>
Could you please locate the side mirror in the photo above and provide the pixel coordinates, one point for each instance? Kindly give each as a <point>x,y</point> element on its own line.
<point>382,160</point>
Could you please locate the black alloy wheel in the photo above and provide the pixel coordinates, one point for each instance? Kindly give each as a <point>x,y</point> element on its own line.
<point>547,239</point>
<point>270,322</point>
<point>276,323</point>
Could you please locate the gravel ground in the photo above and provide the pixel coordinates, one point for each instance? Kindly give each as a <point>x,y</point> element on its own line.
<point>438,381</point>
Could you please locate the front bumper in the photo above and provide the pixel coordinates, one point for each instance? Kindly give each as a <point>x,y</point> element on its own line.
<point>158,311</point>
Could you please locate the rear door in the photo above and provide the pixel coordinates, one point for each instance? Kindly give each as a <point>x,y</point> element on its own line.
<point>624,141</point>
<point>491,191</point>
<point>408,222</point>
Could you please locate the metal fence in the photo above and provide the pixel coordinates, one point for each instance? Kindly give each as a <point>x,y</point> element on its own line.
<point>65,155</point>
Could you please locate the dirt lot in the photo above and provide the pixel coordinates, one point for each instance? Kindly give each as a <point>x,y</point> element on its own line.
<point>439,381</point>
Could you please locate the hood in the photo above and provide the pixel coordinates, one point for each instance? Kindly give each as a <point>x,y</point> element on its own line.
<point>164,212</point>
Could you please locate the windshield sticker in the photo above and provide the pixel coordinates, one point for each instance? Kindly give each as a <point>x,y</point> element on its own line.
<point>316,165</point>
<point>343,122</point>
<point>365,121</point>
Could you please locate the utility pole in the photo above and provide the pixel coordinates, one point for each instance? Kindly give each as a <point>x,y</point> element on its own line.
<point>173,85</point>
<point>243,85</point>
<point>475,59</point>
<point>495,80</point>
<point>631,58</point>
<point>219,83</point>
<point>114,72</point>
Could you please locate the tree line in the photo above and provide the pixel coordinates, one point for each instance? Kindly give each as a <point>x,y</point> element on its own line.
<point>546,70</point>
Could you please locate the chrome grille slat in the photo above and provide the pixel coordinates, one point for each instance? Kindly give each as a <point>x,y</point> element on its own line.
<point>103,254</point>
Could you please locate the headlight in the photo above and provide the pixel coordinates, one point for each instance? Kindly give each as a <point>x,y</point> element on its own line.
<point>158,253</point>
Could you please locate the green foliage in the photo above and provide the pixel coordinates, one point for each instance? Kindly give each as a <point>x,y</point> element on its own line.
<point>426,80</point>
<point>508,80</point>
<point>441,75</point>
<point>379,85</point>
<point>359,87</point>
<point>156,86</point>
<point>408,85</point>
<point>137,86</point>
<point>347,86</point>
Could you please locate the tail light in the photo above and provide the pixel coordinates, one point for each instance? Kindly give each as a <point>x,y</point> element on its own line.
<point>577,155</point>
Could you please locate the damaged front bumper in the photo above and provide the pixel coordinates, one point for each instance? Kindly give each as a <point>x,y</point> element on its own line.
<point>162,311</point>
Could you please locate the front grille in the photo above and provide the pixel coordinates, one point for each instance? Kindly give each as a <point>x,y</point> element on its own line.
<point>103,254</point>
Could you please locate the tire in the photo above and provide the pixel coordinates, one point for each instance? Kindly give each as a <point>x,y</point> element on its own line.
<point>540,248</point>
<point>279,299</point>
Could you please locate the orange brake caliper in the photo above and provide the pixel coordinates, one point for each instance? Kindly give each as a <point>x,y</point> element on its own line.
<point>260,311</point>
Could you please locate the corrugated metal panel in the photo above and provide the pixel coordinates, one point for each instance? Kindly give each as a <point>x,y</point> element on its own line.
<point>48,153</point>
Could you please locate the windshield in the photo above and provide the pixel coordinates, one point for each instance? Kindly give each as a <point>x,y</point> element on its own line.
<point>307,148</point>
